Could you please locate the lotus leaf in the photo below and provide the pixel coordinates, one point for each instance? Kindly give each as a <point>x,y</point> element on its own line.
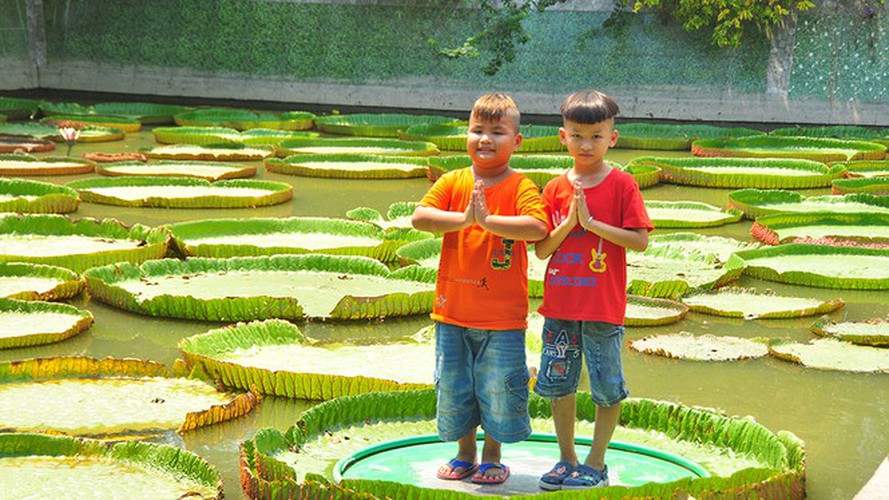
<point>207,170</point>
<point>25,324</point>
<point>385,147</point>
<point>217,152</point>
<point>18,108</point>
<point>375,125</point>
<point>672,137</point>
<point>684,214</point>
<point>12,143</point>
<point>51,132</point>
<point>874,185</point>
<point>647,311</point>
<point>539,168</point>
<point>42,466</point>
<point>148,113</point>
<point>242,119</point>
<point>684,345</point>
<point>109,397</point>
<point>348,166</point>
<point>826,228</point>
<point>24,281</point>
<point>18,195</point>
<point>645,175</point>
<point>879,168</point>
<point>535,138</point>
<point>279,286</point>
<point>55,240</point>
<point>398,217</point>
<point>743,172</point>
<point>21,164</point>
<point>807,148</point>
<point>182,192</point>
<point>209,136</point>
<point>666,271</point>
<point>272,137</point>
<point>837,132</point>
<point>873,332</point>
<point>832,354</point>
<point>758,202</point>
<point>749,304</point>
<point>714,248</point>
<point>100,157</point>
<point>817,265</point>
<point>126,124</point>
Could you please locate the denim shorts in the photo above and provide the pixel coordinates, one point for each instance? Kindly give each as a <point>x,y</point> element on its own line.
<point>600,343</point>
<point>481,378</point>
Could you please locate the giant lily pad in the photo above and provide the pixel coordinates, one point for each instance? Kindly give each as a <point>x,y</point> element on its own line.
<point>878,168</point>
<point>861,229</point>
<point>741,454</point>
<point>17,195</point>
<point>539,168</point>
<point>374,125</point>
<point>294,235</point>
<point>243,119</point>
<point>837,132</point>
<point>874,185</point>
<point>673,137</point>
<point>758,202</point>
<point>397,217</point>
<point>535,138</point>
<point>207,170</point>
<point>41,466</point>
<point>873,332</point>
<point>645,175</point>
<point>750,304</point>
<point>23,281</point>
<point>126,124</point>
<point>16,108</point>
<point>25,323</point>
<point>817,265</point>
<point>743,172</point>
<point>349,166</point>
<point>223,135</point>
<point>217,152</point>
<point>55,240</point>
<point>715,248</point>
<point>385,147</point>
<point>109,397</point>
<point>88,134</point>
<point>279,286</point>
<point>17,143</point>
<point>832,354</point>
<point>667,271</point>
<point>647,311</point>
<point>20,164</point>
<point>175,192</point>
<point>684,345</point>
<point>817,149</point>
<point>679,214</point>
<point>147,113</point>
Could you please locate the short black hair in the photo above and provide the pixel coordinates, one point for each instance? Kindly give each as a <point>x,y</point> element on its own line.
<point>588,107</point>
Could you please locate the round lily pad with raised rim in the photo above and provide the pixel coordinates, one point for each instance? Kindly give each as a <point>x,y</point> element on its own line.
<point>310,286</point>
<point>873,332</point>
<point>99,157</point>
<point>24,281</point>
<point>817,265</point>
<point>27,165</point>
<point>646,175</point>
<point>647,311</point>
<point>56,240</point>
<point>23,196</point>
<point>207,170</point>
<point>385,147</point>
<point>43,466</point>
<point>875,168</point>
<point>832,354</point>
<point>182,192</point>
<point>539,168</point>
<point>535,138</point>
<point>12,143</point>
<point>878,186</point>
<point>375,125</point>
<point>51,132</point>
<point>824,228</point>
<point>784,173</point>
<point>148,113</point>
<point>216,152</point>
<point>837,132</point>
<point>128,125</point>
<point>807,148</point>
<point>207,136</point>
<point>16,108</point>
<point>716,248</point>
<point>686,346</point>
<point>668,137</point>
<point>119,398</point>
<point>748,303</point>
<point>349,166</point>
<point>665,270</point>
<point>758,202</point>
<point>293,235</point>
<point>684,214</point>
<point>30,323</point>
<point>398,216</point>
<point>244,119</point>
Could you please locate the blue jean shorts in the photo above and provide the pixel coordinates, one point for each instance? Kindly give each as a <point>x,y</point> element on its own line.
<point>564,341</point>
<point>481,378</point>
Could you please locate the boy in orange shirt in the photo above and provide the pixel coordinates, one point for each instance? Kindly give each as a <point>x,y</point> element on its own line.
<point>487,212</point>
<point>595,213</point>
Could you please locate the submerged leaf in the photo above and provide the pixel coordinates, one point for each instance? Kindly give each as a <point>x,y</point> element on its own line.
<point>685,345</point>
<point>831,354</point>
<point>750,304</point>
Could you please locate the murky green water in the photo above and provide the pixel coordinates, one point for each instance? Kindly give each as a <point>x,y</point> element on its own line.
<point>841,417</point>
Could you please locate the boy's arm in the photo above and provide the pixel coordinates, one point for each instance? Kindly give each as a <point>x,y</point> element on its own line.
<point>441,221</point>
<point>548,245</point>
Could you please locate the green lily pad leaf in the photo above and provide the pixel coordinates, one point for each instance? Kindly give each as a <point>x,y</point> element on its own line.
<point>126,124</point>
<point>37,465</point>
<point>207,136</point>
<point>749,304</point>
<point>535,138</point>
<point>20,164</point>
<point>684,345</point>
<point>181,192</point>
<point>836,132</point>
<point>109,397</point>
<point>824,228</point>
<point>645,175</point>
<point>22,196</point>
<point>385,147</point>
<point>539,168</point>
<point>22,281</point>
<point>758,202</point>
<point>375,125</point>
<point>294,235</point>
<point>12,143</point>
<point>878,186</point>
<point>349,166</point>
<point>806,148</point>
<point>207,170</point>
<point>673,137</point>
<point>832,354</point>
<point>647,311</point>
<point>714,248</point>
<point>148,113</point>
<point>216,152</point>
<point>817,265</point>
<point>682,214</point>
<point>668,271</point>
<point>743,172</point>
<point>51,132</point>
<point>271,136</point>
<point>278,286</point>
<point>25,323</point>
<point>872,332</point>
<point>877,168</point>
<point>243,119</point>
<point>398,216</point>
<point>16,108</point>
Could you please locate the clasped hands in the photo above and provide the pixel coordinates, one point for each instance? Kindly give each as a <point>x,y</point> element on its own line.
<point>579,212</point>
<point>477,210</point>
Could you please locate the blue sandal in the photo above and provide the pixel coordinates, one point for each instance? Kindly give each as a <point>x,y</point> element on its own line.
<point>468,470</point>
<point>552,480</point>
<point>585,477</point>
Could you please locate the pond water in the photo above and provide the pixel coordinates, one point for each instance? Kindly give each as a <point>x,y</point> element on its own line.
<point>841,416</point>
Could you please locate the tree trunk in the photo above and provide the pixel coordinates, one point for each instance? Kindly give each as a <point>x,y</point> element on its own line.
<point>782,39</point>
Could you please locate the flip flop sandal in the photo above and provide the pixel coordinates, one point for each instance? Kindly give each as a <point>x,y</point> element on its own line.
<point>552,480</point>
<point>481,479</point>
<point>468,470</point>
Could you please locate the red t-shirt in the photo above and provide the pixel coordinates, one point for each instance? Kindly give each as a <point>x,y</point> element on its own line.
<point>576,286</point>
<point>483,278</point>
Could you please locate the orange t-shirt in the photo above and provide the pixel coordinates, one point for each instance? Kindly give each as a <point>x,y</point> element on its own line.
<point>483,278</point>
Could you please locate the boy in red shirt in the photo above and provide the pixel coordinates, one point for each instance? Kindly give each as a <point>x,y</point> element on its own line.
<point>487,212</point>
<point>595,212</point>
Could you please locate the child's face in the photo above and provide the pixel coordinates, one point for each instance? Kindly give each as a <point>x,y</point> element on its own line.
<point>588,142</point>
<point>491,143</point>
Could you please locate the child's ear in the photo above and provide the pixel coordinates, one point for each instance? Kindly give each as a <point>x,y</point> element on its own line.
<point>563,135</point>
<point>518,140</point>
<point>613,141</point>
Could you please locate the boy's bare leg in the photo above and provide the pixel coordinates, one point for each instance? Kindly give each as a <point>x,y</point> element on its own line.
<point>606,421</point>
<point>564,415</point>
<point>466,450</point>
<point>492,453</point>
